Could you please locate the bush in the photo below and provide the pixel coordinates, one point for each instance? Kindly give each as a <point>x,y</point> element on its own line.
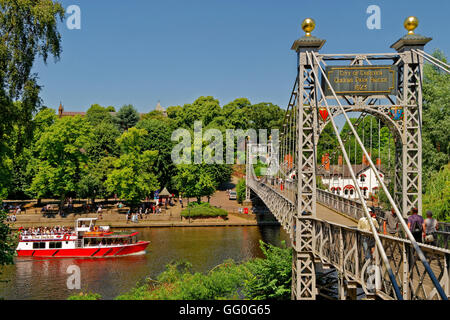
<point>240,190</point>
<point>272,276</point>
<point>437,195</point>
<point>203,209</point>
<point>85,296</point>
<point>268,278</point>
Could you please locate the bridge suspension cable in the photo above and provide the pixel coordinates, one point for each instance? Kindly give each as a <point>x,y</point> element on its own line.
<point>433,60</point>
<point>380,181</point>
<point>358,189</point>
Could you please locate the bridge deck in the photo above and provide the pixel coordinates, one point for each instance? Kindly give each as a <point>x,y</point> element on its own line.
<point>326,214</point>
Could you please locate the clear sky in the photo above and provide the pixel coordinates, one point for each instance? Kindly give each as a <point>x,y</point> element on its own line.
<point>142,51</point>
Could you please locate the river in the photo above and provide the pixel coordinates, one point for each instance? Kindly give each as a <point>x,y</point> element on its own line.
<point>204,247</point>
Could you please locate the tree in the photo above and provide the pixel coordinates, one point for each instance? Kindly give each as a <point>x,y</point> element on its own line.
<point>27,29</point>
<point>92,184</point>
<point>194,180</point>
<point>96,114</point>
<point>102,141</point>
<point>265,116</point>
<point>61,158</point>
<point>241,190</point>
<point>127,117</point>
<point>133,177</point>
<point>6,241</point>
<point>159,139</point>
<point>436,118</point>
<point>437,195</point>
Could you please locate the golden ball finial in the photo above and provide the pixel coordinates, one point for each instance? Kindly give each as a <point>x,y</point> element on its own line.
<point>410,24</point>
<point>308,25</point>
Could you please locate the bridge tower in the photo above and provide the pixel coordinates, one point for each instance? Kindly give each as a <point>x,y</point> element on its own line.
<point>408,169</point>
<point>303,271</point>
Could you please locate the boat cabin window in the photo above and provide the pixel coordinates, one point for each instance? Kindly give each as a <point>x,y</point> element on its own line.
<point>55,245</point>
<point>39,245</point>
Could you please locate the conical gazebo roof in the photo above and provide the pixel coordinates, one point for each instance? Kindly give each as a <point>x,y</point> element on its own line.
<point>164,193</point>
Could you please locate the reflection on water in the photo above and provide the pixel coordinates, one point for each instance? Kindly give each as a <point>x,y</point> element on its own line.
<point>205,248</point>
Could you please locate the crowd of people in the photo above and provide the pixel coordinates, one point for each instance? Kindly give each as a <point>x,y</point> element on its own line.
<point>57,230</point>
<point>423,230</point>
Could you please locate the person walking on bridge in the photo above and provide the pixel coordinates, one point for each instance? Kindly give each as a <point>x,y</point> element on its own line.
<point>415,225</point>
<point>430,227</point>
<point>390,224</point>
<point>368,242</point>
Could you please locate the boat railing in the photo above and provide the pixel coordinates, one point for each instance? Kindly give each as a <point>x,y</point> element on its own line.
<point>60,236</point>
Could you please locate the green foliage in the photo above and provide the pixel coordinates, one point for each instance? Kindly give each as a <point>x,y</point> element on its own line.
<point>28,29</point>
<point>240,190</point>
<point>133,177</point>
<point>436,119</point>
<point>437,195</point>
<point>268,278</point>
<point>85,296</point>
<point>6,241</point>
<point>61,158</point>
<point>102,141</point>
<point>97,114</point>
<point>158,139</point>
<point>203,209</point>
<point>271,277</point>
<point>259,168</point>
<point>127,117</point>
<point>195,180</point>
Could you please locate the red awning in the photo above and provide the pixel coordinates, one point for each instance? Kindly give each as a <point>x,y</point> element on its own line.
<point>349,186</point>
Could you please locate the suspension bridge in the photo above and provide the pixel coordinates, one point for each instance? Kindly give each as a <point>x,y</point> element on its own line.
<point>321,224</point>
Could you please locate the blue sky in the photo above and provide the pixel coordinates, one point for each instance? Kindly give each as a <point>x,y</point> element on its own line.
<point>139,52</point>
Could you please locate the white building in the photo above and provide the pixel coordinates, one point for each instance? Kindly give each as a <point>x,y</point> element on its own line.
<point>338,180</point>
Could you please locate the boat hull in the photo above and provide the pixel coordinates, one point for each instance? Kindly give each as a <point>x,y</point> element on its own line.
<point>95,252</point>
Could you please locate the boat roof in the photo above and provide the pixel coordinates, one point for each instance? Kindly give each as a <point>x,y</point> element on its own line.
<point>86,219</point>
<point>116,235</point>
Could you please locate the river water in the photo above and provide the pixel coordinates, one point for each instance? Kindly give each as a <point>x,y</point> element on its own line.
<point>204,247</point>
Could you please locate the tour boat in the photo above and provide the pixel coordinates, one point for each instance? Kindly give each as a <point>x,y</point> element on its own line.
<point>87,241</point>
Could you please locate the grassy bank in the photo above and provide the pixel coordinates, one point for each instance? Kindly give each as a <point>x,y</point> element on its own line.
<point>204,210</point>
<point>267,278</point>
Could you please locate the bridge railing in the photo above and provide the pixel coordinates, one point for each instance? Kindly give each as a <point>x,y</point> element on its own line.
<point>354,210</point>
<point>348,250</point>
<point>341,204</point>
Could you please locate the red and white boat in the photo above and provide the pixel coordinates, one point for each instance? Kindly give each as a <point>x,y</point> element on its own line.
<point>87,241</point>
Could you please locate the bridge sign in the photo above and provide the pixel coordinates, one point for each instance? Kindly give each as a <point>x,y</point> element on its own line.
<point>361,80</point>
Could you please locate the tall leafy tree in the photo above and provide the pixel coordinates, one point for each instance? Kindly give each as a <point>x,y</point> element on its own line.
<point>97,114</point>
<point>194,180</point>
<point>133,177</point>
<point>127,117</point>
<point>436,118</point>
<point>61,158</point>
<point>159,139</point>
<point>28,29</point>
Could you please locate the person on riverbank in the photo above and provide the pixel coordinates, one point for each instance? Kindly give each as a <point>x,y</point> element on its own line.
<point>390,225</point>
<point>99,212</point>
<point>430,227</point>
<point>415,225</point>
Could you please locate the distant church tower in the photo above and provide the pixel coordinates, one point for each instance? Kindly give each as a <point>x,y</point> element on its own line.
<point>60,110</point>
<point>161,109</point>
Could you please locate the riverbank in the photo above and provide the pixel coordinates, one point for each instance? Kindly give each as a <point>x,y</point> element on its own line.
<point>153,221</point>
